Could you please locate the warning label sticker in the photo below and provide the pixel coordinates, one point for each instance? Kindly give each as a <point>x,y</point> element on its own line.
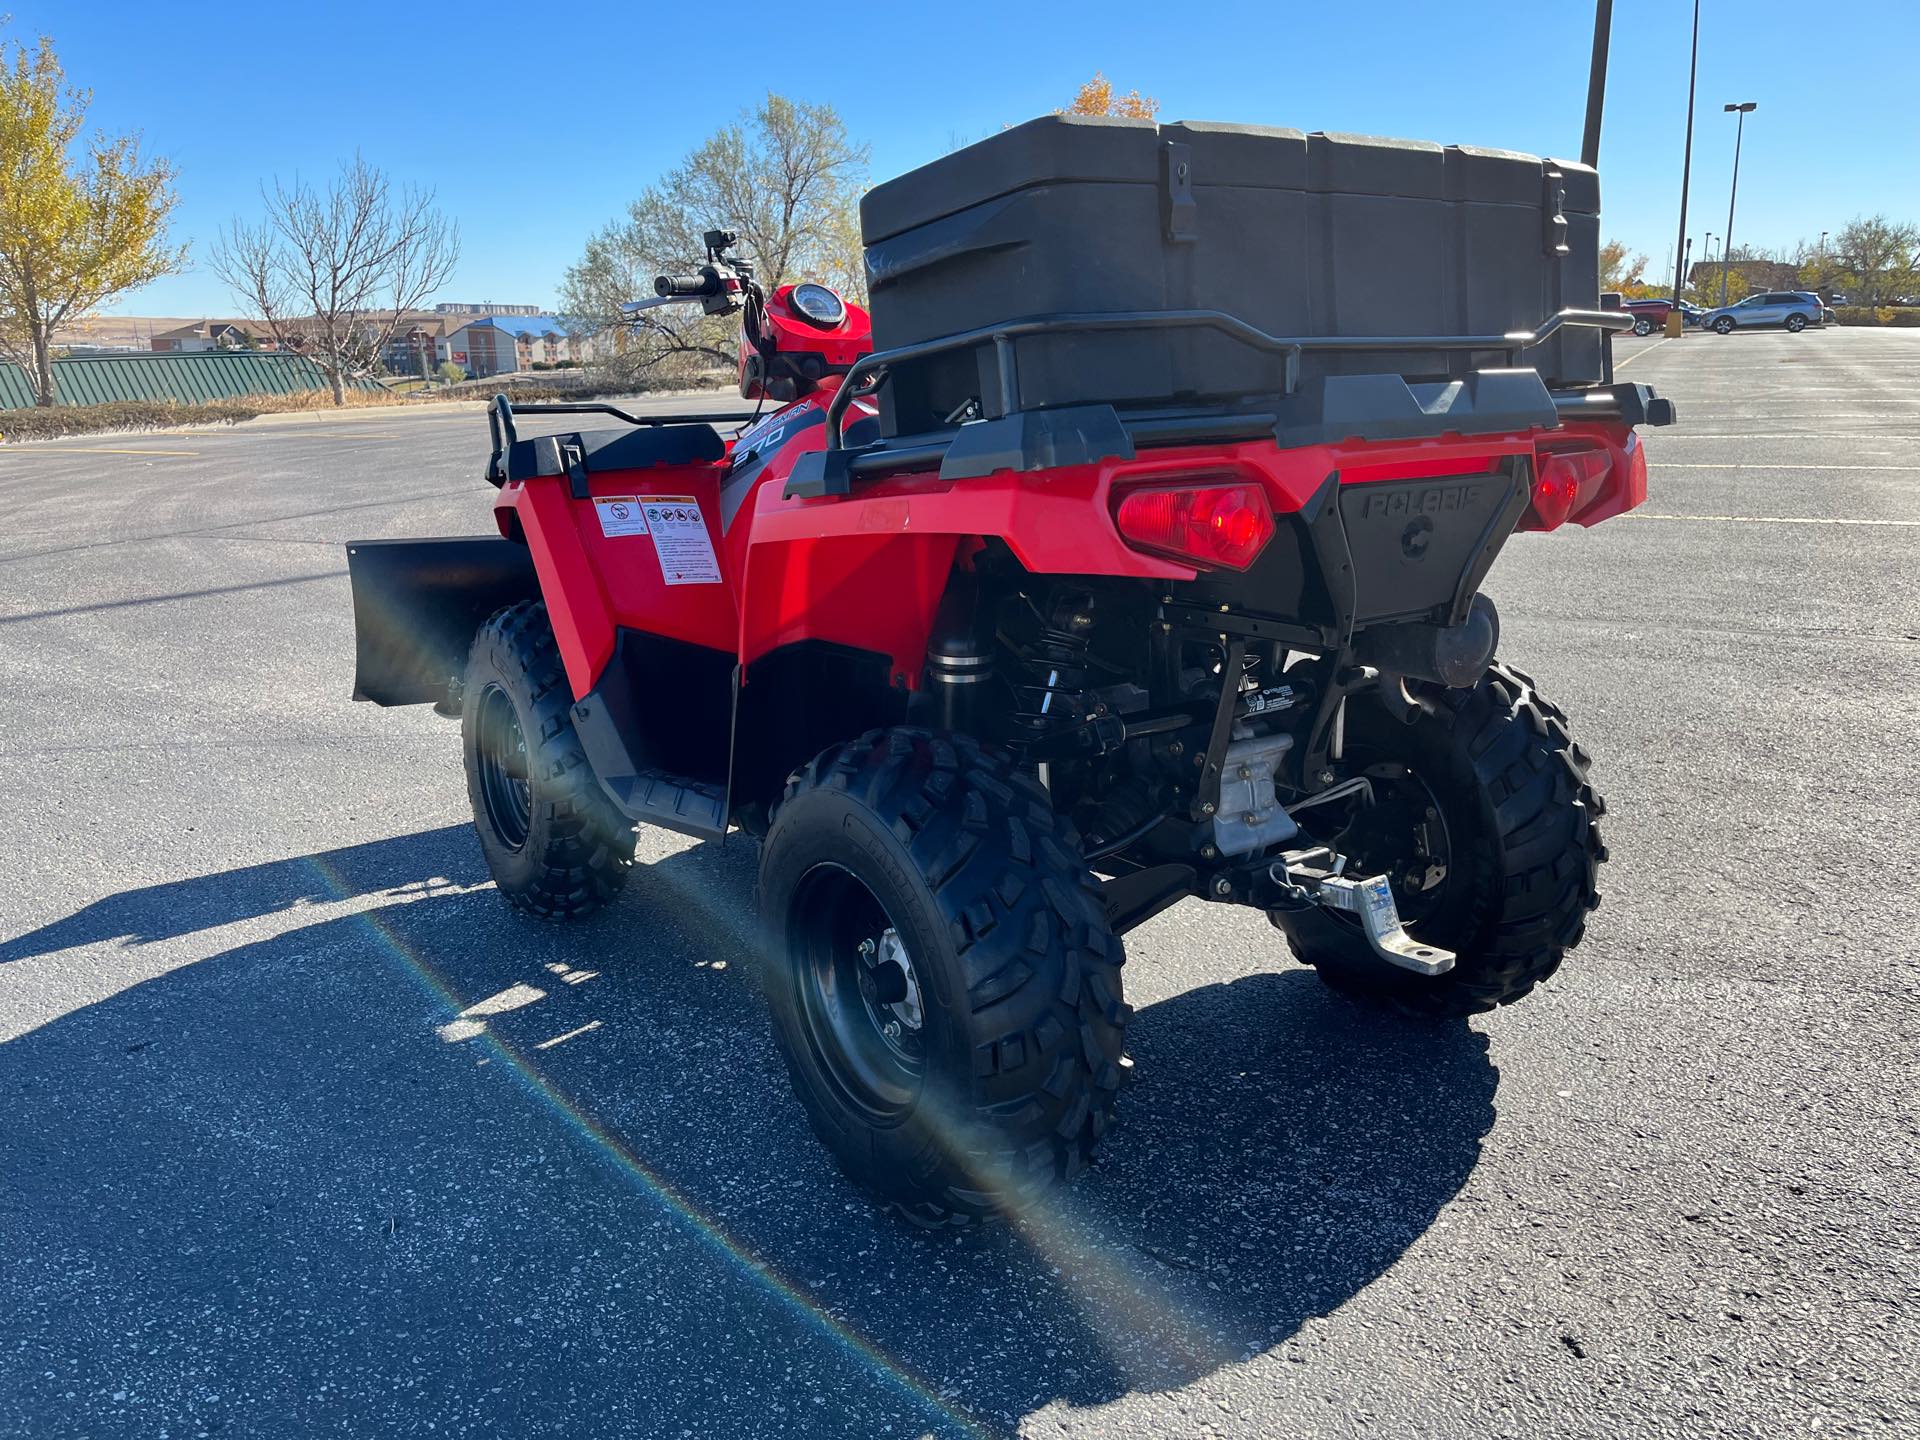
<point>681,541</point>
<point>620,515</point>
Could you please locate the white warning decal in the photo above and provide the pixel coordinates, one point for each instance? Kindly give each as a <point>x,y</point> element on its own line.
<point>681,541</point>
<point>620,515</point>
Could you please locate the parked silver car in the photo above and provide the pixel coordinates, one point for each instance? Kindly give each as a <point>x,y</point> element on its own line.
<point>1795,309</point>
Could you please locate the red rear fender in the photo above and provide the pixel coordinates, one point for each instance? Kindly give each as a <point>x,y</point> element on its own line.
<point>603,566</point>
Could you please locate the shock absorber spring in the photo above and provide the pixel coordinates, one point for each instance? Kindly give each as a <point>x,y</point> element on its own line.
<point>1050,643</point>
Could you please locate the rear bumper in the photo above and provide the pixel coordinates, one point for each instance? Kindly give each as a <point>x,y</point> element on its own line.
<point>1333,410</point>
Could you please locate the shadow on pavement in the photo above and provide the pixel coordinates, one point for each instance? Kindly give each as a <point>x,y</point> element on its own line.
<point>278,1192</point>
<point>405,866</point>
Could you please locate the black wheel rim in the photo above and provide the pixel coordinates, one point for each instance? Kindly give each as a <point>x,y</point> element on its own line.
<point>505,790</point>
<point>842,943</point>
<point>1403,835</point>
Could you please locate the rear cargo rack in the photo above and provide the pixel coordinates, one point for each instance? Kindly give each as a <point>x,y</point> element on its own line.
<point>1024,438</point>
<point>867,374</point>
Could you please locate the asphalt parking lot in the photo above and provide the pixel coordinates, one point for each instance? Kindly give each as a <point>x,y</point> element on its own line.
<point>302,1133</point>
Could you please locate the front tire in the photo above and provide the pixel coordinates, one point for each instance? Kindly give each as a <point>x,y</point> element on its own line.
<point>1642,325</point>
<point>554,842</point>
<point>1498,793</point>
<point>1723,326</point>
<point>944,985</point>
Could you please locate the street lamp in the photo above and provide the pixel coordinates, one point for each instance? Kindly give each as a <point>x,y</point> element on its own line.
<point>1686,178</point>
<point>1733,194</point>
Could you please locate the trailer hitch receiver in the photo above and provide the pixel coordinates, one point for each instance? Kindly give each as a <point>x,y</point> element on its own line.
<point>1314,877</point>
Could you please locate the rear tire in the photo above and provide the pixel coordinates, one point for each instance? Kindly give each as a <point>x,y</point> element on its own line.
<point>1796,323</point>
<point>1642,325</point>
<point>1723,326</point>
<point>994,1083</point>
<point>554,842</point>
<point>1520,823</point>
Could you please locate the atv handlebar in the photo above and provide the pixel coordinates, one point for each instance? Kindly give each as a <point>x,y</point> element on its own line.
<point>690,286</point>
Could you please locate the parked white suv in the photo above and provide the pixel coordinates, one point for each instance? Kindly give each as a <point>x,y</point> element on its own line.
<point>1795,309</point>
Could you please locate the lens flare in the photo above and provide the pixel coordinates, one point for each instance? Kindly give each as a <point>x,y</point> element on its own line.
<point>642,1176</point>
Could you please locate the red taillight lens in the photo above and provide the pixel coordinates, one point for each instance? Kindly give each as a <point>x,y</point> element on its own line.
<point>1202,524</point>
<point>1566,484</point>
<point>1634,492</point>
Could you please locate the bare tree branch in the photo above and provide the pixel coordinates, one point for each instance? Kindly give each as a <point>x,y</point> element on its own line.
<point>784,177</point>
<point>334,272</point>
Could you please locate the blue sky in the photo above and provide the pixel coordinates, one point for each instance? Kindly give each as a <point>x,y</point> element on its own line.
<point>538,123</point>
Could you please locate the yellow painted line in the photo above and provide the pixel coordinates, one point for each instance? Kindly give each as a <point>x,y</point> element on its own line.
<point>85,450</point>
<point>1622,364</point>
<point>1766,519</point>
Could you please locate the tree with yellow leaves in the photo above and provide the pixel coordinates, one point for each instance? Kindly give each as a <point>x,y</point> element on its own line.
<point>1097,97</point>
<point>81,219</point>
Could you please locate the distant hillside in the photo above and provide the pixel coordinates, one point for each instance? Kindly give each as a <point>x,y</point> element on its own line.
<point>132,330</point>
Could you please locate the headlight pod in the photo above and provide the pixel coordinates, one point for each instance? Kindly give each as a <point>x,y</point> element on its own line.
<point>818,305</point>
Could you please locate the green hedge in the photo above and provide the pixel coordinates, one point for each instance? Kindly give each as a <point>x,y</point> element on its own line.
<point>1882,315</point>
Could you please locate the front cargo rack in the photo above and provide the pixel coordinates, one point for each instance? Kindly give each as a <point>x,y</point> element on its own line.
<point>1371,406</point>
<point>573,455</point>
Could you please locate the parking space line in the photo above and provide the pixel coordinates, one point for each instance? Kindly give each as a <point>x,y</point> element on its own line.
<point>88,450</point>
<point>1622,364</point>
<point>1770,520</point>
<point>1836,415</point>
<point>1741,465</point>
<point>1786,435</point>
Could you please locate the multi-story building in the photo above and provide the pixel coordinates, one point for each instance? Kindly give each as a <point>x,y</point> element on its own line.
<point>456,307</point>
<point>500,344</point>
<point>205,335</point>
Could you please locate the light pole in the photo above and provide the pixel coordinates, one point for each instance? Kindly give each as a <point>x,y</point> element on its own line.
<point>1597,82</point>
<point>1706,256</point>
<point>1739,130</point>
<point>1686,175</point>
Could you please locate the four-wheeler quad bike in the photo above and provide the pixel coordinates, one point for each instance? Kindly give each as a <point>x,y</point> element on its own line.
<point>1134,554</point>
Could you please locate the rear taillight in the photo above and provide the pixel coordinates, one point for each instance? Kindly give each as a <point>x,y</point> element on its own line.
<point>1204,524</point>
<point>1566,483</point>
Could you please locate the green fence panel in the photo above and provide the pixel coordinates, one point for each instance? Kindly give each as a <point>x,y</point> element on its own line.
<point>189,379</point>
<point>15,392</point>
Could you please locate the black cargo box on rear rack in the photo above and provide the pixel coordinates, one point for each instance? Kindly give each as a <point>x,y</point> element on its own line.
<point>1295,234</point>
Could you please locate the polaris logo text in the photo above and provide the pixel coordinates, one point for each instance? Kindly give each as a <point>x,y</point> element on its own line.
<point>1434,500</point>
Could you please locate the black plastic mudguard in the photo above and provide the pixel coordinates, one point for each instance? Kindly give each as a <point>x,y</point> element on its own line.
<point>417,604</point>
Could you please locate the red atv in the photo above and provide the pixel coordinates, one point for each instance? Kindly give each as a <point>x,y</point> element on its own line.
<point>1142,561</point>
